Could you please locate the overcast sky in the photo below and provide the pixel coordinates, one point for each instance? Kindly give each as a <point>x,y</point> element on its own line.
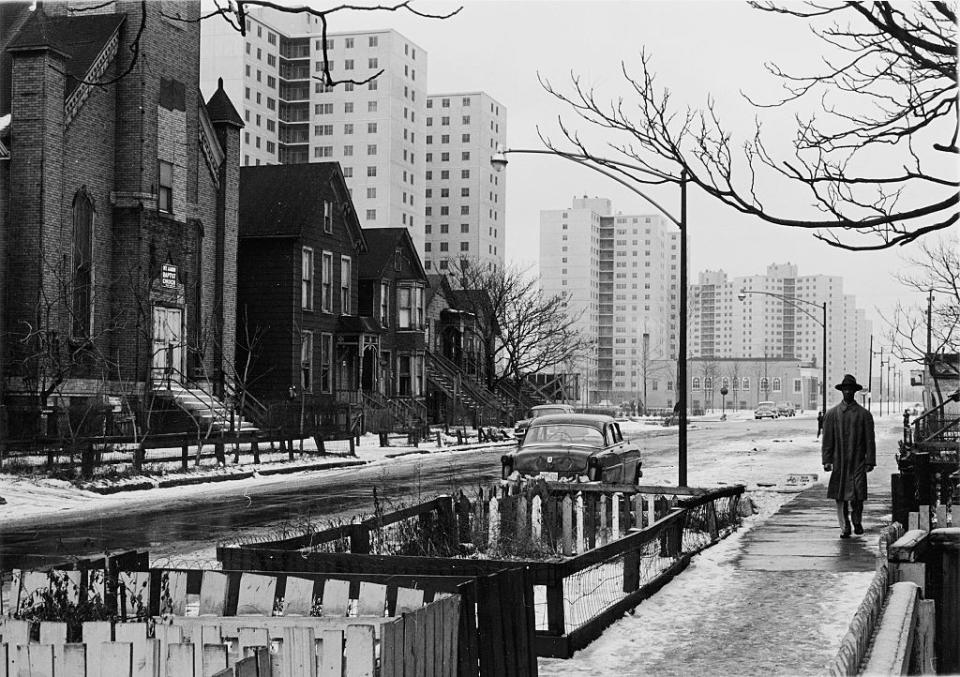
<point>500,46</point>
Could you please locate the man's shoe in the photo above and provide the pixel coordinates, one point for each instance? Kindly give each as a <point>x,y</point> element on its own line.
<point>858,529</point>
<point>845,533</point>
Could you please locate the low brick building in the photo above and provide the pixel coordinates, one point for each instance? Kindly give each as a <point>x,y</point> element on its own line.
<point>118,204</point>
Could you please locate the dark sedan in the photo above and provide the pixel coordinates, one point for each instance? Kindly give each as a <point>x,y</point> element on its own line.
<point>579,447</point>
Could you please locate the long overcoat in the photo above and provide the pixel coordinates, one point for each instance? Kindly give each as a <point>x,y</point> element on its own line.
<point>848,444</point>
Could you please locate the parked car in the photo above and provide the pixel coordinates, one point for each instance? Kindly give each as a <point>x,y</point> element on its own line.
<point>786,409</point>
<point>578,447</point>
<point>765,410</point>
<point>520,427</point>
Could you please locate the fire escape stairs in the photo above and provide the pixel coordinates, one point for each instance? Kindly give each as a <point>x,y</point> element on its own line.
<point>458,386</point>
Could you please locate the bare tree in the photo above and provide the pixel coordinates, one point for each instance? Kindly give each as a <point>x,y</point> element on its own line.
<point>524,330</point>
<point>936,271</point>
<point>878,165</point>
<point>235,13</point>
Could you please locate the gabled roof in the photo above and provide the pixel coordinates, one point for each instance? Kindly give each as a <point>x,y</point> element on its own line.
<point>287,200</point>
<point>382,243</point>
<point>221,109</point>
<point>80,39</point>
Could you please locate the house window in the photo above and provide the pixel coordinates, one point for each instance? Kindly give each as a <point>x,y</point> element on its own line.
<point>326,282</point>
<point>797,385</point>
<point>764,385</point>
<point>306,361</point>
<point>404,307</point>
<point>82,264</point>
<point>306,278</point>
<point>326,362</point>
<point>385,304</point>
<point>745,385</point>
<point>404,373</point>
<point>707,383</point>
<point>327,216</point>
<point>345,277</point>
<point>776,385</point>
<point>165,202</point>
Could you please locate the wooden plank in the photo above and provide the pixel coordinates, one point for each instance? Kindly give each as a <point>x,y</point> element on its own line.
<point>419,643</point>
<point>16,632</point>
<point>180,660</point>
<point>330,660</point>
<point>603,524</point>
<point>146,652</point>
<point>214,659</point>
<point>257,594</point>
<point>94,634</point>
<point>52,632</point>
<point>135,594</point>
<point>452,635</point>
<point>615,507</point>
<point>230,626</point>
<point>246,667</point>
<point>567,517</point>
<point>913,521</point>
<point>12,605</point>
<point>359,651</point>
<point>116,659</point>
<point>580,524</point>
<point>298,653</point>
<point>536,519</point>
<point>408,599</point>
<point>173,593</point>
<point>391,649</point>
<point>167,635</point>
<point>250,638</point>
<point>336,597</point>
<point>429,620</point>
<point>213,593</point>
<point>74,660</point>
<point>298,597</point>
<point>32,582</point>
<point>373,599</point>
<point>35,660</point>
<point>95,583</point>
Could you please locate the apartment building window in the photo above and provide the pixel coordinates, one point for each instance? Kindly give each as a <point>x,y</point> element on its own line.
<point>444,210</point>
<point>348,86</point>
<point>444,157</point>
<point>306,278</point>
<point>465,155</point>
<point>373,41</point>
<point>371,106</point>
<point>427,246</point>
<point>271,104</point>
<point>464,192</point>
<point>371,171</point>
<point>248,51</point>
<point>797,385</point>
<point>444,138</point>
<point>445,121</point>
<point>776,385</point>
<point>372,63</point>
<point>326,282</point>
<point>465,138</point>
<point>444,228</point>
<point>259,75</point>
<point>165,202</point>
<point>445,103</point>
<point>348,128</point>
<point>272,60</point>
<point>371,128</point>
<point>746,384</point>
<point>306,361</point>
<point>271,146</point>
<point>246,92</point>
<point>464,246</point>
<point>246,70</point>
<point>323,151</point>
<point>371,149</point>
<point>271,125</point>
<point>348,64</point>
<point>464,173</point>
<point>429,212</point>
<point>373,85</point>
<point>348,172</point>
<point>429,120</point>
<point>429,103</point>
<point>464,227</point>
<point>271,38</point>
<point>466,101</point>
<point>348,43</point>
<point>345,277</point>
<point>347,151</point>
<point>444,192</point>
<point>323,130</point>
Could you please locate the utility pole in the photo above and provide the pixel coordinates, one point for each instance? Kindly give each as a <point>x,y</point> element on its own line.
<point>870,376</point>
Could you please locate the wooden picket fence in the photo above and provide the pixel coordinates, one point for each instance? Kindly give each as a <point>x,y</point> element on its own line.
<point>232,629</point>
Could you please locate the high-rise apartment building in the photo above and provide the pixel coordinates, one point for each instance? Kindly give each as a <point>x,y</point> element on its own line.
<point>374,129</point>
<point>764,325</point>
<point>464,195</point>
<point>378,130</point>
<point>622,275</point>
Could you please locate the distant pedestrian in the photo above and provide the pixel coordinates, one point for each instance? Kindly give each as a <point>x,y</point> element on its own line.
<point>848,452</point>
<point>819,423</point>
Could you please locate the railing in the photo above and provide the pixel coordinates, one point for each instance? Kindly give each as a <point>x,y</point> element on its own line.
<point>248,405</point>
<point>483,398</point>
<point>593,552</point>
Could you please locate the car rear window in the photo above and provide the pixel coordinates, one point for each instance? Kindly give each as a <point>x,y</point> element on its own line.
<point>547,412</point>
<point>576,434</point>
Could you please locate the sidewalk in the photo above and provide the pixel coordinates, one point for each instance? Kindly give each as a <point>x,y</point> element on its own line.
<point>773,599</point>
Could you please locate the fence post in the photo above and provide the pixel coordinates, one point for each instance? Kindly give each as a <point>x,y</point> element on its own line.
<point>711,507</point>
<point>615,514</point>
<point>567,517</point>
<point>255,448</point>
<point>463,518</point>
<point>184,456</point>
<point>359,539</point>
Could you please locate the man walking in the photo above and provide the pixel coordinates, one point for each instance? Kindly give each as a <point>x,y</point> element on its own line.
<point>848,452</point>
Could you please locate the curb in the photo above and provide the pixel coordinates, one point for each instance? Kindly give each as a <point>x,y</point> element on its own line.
<point>204,479</point>
<point>464,447</point>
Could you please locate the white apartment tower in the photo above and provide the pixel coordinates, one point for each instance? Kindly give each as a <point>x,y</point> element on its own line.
<point>763,325</point>
<point>375,129</point>
<point>625,292</point>
<point>464,195</point>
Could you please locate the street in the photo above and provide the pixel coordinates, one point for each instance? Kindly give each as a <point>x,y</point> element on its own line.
<point>184,530</point>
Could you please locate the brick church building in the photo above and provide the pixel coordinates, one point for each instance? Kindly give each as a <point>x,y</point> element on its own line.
<point>118,212</point>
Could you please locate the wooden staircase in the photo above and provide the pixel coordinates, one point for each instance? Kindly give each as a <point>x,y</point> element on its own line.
<point>463,391</point>
<point>209,413</point>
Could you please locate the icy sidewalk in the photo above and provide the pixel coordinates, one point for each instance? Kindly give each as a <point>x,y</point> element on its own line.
<point>773,599</point>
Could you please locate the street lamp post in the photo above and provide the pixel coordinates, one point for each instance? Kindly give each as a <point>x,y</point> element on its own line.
<point>823,323</point>
<point>499,161</point>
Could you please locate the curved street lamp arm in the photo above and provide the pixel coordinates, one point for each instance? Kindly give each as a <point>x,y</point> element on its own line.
<point>591,163</point>
<point>791,301</point>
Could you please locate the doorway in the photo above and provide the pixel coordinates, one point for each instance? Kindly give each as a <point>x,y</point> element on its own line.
<point>167,363</point>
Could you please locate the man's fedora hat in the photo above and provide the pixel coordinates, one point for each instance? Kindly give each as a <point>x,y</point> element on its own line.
<point>848,382</point>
